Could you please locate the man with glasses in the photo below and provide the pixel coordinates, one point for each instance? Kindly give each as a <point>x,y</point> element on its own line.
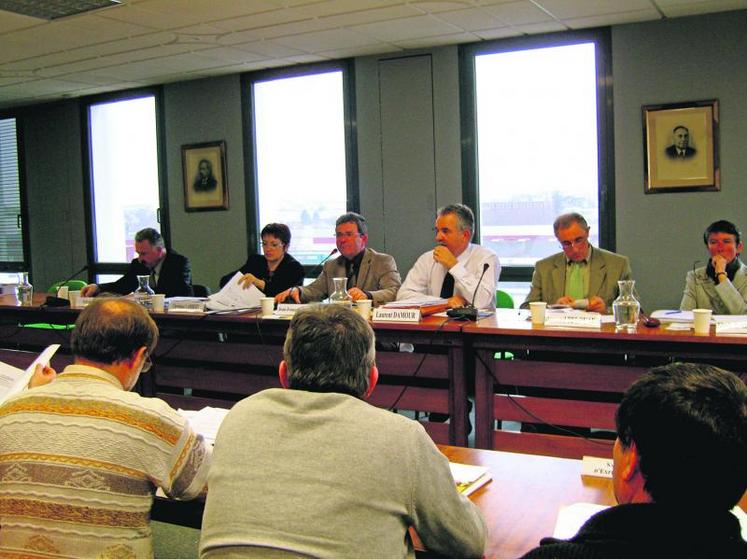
<point>371,275</point>
<point>81,456</point>
<point>581,276</point>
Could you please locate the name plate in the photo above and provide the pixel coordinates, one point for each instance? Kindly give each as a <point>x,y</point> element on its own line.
<point>187,306</point>
<point>574,320</point>
<point>736,326</point>
<point>382,314</point>
<point>597,467</point>
<point>288,309</point>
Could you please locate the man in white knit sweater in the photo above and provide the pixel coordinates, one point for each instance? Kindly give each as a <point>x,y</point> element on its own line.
<point>314,471</point>
<point>80,457</point>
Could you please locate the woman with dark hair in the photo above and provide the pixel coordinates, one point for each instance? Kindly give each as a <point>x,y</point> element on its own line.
<point>722,284</point>
<point>274,272</point>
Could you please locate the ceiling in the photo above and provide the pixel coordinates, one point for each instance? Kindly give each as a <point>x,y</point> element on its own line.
<point>145,42</point>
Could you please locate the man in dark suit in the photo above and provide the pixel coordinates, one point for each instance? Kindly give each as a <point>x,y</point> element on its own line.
<point>680,148</point>
<point>169,271</point>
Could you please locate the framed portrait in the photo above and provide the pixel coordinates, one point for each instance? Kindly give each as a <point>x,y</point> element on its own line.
<point>204,172</point>
<point>680,147</point>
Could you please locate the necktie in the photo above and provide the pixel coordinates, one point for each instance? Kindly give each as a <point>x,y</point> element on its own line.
<point>152,279</point>
<point>575,287</point>
<point>447,287</point>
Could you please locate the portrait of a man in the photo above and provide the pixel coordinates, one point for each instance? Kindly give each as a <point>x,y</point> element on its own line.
<point>204,181</point>
<point>680,148</point>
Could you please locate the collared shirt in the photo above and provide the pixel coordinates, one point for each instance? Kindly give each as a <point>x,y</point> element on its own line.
<point>352,267</point>
<point>425,278</point>
<point>585,265</point>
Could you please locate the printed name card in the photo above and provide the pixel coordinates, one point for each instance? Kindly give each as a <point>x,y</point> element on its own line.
<point>574,320</point>
<point>383,314</point>
<point>187,306</point>
<point>597,467</point>
<point>287,309</point>
<point>731,326</point>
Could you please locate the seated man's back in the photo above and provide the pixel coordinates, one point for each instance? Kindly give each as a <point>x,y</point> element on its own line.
<point>324,474</point>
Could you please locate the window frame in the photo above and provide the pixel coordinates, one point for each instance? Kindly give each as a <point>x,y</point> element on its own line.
<point>162,213</point>
<point>352,202</point>
<point>605,130</point>
<point>25,264</point>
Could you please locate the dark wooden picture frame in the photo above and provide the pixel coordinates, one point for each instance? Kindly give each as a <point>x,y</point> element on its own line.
<point>680,147</point>
<point>204,175</point>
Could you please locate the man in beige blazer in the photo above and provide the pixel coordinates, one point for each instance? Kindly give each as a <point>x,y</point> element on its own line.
<point>371,275</point>
<point>598,270</point>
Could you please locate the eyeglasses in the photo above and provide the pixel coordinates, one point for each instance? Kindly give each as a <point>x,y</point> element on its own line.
<point>346,234</point>
<point>147,364</point>
<point>577,242</point>
<point>273,244</point>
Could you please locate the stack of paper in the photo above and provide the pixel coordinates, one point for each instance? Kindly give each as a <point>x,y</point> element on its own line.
<point>469,478</point>
<point>14,380</point>
<point>233,296</point>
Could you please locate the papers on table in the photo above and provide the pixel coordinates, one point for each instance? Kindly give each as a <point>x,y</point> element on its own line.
<point>233,296</point>
<point>14,380</point>
<point>469,478</point>
<point>683,321</point>
<point>206,421</point>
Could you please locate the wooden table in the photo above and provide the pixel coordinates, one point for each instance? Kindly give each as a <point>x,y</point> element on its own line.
<point>219,359</point>
<point>572,377</point>
<point>520,504</point>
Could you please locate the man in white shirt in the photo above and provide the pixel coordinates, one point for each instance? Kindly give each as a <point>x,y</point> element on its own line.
<point>454,268</point>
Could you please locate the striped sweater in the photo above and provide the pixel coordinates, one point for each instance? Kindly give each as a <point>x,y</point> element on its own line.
<point>80,459</point>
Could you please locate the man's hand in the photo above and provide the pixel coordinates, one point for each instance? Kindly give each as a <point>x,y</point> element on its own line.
<point>596,304</point>
<point>565,300</point>
<point>456,301</point>
<point>357,294</point>
<point>293,293</point>
<point>42,375</point>
<point>90,290</point>
<point>443,255</point>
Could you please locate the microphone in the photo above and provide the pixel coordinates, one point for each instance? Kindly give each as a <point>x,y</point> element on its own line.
<point>469,312</point>
<point>318,267</point>
<point>53,300</point>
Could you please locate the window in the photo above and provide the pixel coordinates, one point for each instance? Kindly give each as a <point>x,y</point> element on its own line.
<point>124,178</point>
<point>538,119</point>
<point>12,226</point>
<point>303,156</point>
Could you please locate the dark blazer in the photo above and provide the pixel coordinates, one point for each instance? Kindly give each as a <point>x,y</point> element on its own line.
<point>672,152</point>
<point>175,278</point>
<point>289,273</point>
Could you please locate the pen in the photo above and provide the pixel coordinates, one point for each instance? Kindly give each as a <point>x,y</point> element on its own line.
<point>673,312</point>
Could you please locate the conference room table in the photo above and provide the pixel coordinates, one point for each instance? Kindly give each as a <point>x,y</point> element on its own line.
<point>572,377</point>
<point>217,359</point>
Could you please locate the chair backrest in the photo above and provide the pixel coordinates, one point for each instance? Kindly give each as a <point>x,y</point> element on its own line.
<point>200,290</point>
<point>72,285</point>
<point>503,300</point>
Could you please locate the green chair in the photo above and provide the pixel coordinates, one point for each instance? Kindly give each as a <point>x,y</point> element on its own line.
<point>72,285</point>
<point>503,301</point>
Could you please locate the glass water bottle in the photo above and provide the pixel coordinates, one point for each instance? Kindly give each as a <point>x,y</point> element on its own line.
<point>144,293</point>
<point>24,290</point>
<point>626,307</point>
<point>340,295</point>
